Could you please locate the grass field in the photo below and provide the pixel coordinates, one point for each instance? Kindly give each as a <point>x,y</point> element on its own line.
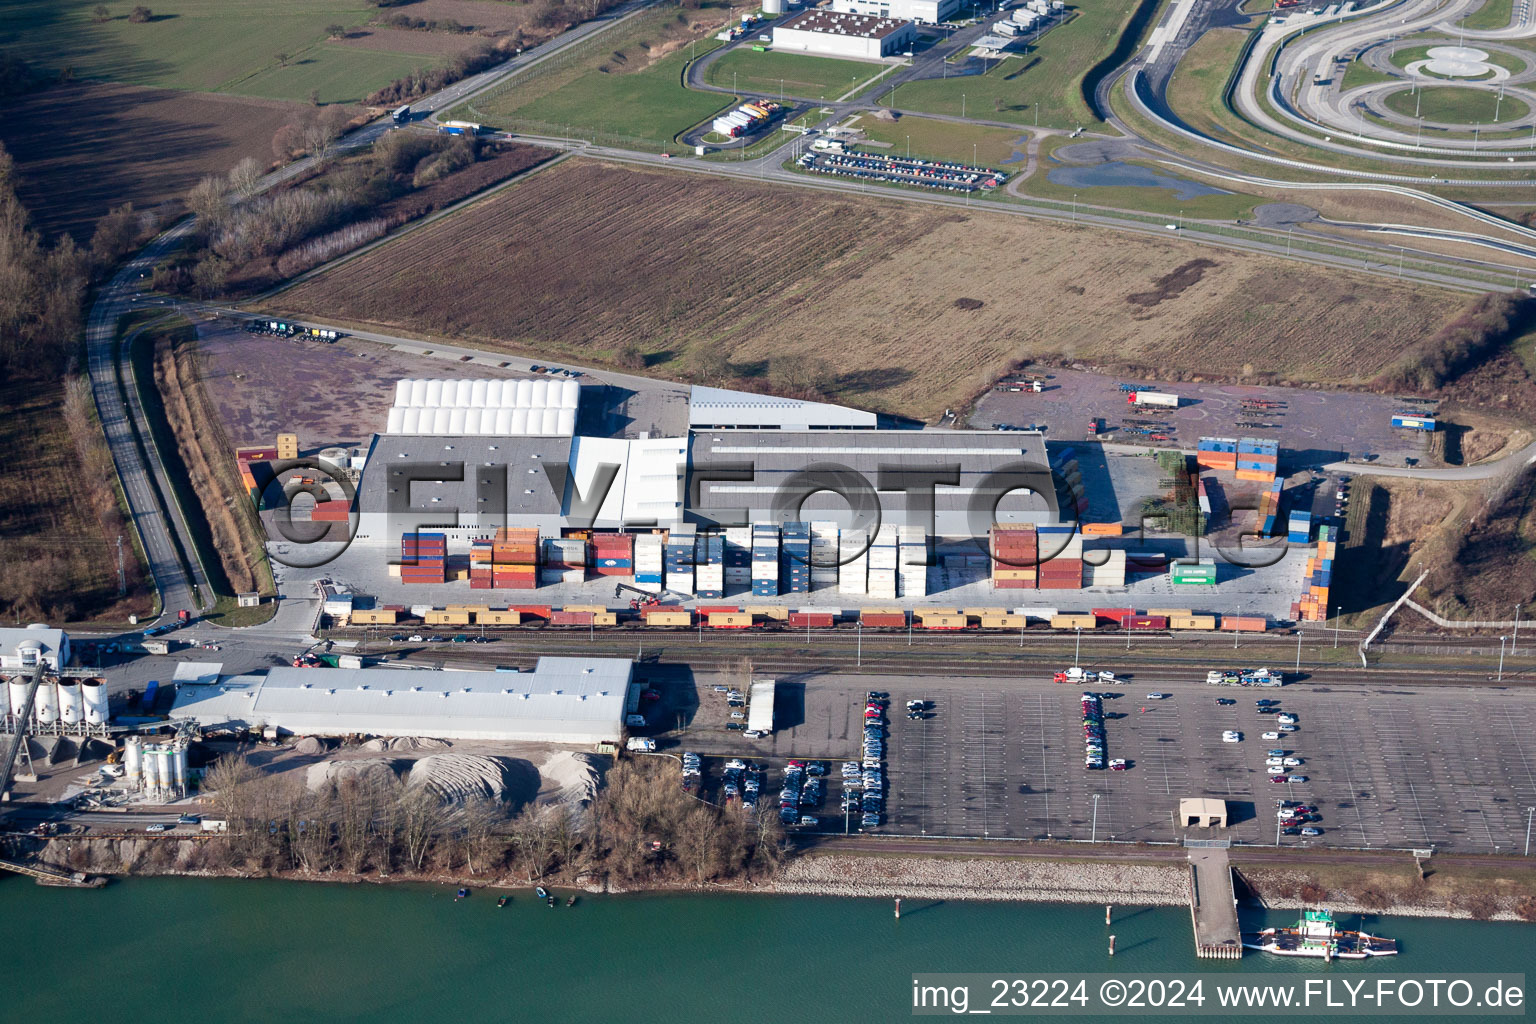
<point>143,146</point>
<point>1456,106</point>
<point>212,46</point>
<point>1043,86</point>
<point>626,86</point>
<point>948,140</point>
<point>1357,73</point>
<point>1493,14</point>
<point>1194,92</point>
<point>790,74</point>
<point>720,275</point>
<point>59,512</point>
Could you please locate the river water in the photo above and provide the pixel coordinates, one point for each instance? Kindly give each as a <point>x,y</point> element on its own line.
<point>213,951</point>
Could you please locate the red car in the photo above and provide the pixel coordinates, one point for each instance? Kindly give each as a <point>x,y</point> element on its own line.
<point>1279,778</point>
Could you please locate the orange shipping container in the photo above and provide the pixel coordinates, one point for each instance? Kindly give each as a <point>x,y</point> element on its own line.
<point>1244,623</point>
<point>1102,529</point>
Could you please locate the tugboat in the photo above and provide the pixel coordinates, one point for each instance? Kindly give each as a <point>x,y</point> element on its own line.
<point>1316,936</point>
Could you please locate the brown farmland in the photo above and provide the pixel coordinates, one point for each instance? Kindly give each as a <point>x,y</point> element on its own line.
<point>118,143</point>
<point>585,260</point>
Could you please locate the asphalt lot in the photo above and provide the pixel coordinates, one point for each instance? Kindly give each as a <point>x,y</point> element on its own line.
<point>1386,766</point>
<point>1315,427</point>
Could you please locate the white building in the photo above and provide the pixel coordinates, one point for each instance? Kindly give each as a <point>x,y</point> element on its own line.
<point>926,12</point>
<point>38,643</point>
<point>563,700</point>
<point>833,34</point>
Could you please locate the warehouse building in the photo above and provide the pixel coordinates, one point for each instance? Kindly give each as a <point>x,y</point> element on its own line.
<point>924,12</point>
<point>34,645</point>
<point>563,700</point>
<point>829,33</point>
<point>951,483</point>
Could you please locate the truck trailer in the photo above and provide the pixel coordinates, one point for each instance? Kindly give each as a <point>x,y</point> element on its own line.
<point>1154,398</point>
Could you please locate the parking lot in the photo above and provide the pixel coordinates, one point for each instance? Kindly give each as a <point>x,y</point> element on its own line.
<point>1386,766</point>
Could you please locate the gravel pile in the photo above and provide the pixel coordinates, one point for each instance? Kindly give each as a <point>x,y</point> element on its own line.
<point>327,773</point>
<point>406,743</point>
<point>991,879</point>
<point>569,778</point>
<point>456,778</point>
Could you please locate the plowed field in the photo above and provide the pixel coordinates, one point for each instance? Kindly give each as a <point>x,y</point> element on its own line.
<point>586,258</point>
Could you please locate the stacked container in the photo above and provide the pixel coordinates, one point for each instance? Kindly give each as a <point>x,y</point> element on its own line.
<point>680,557</point>
<point>853,553</point>
<point>1201,572</point>
<point>613,554</point>
<point>648,562</point>
<point>795,559</point>
<point>515,558</point>
<point>423,558</point>
<point>1299,528</point>
<point>1070,491</point>
<point>709,576</point>
<point>738,556</point>
<point>765,561</point>
<point>1111,573</point>
<point>1217,453</point>
<point>1257,459</point>
<point>1269,508</point>
<point>1061,558</point>
<point>565,560</point>
<point>1015,556</point>
<point>1313,606</point>
<point>824,554</point>
<point>481,574</point>
<point>913,561</point>
<point>883,563</point>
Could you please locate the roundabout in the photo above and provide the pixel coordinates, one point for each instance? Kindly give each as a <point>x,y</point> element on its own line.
<point>1457,62</point>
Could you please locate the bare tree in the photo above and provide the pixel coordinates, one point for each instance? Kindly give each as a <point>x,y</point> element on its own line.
<point>420,813</point>
<point>100,13</point>
<point>699,842</point>
<point>319,131</point>
<point>244,177</point>
<point>139,15</point>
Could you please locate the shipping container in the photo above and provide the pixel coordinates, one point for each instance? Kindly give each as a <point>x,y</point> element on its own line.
<point>373,617</point>
<point>807,620</point>
<point>1245,623</point>
<point>1073,621</point>
<point>568,618</point>
<point>673,617</point>
<point>442,618</point>
<point>1192,622</point>
<point>1414,422</point>
<point>1102,529</point>
<point>883,618</point>
<point>1002,622</point>
<point>1146,622</point>
<point>729,620</point>
<point>501,617</point>
<point>532,611</point>
<point>1115,616</point>
<point>928,620</point>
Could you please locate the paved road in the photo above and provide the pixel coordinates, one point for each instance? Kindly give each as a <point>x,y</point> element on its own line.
<point>1482,471</point>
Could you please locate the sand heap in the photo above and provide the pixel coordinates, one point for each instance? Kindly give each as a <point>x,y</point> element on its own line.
<point>311,745</point>
<point>459,777</point>
<point>570,778</point>
<point>376,770</point>
<point>405,743</point>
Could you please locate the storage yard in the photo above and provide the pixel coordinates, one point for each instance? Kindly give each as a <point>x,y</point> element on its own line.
<point>894,170</point>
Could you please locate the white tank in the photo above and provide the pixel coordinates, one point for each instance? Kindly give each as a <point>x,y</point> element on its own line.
<point>5,702</point>
<point>336,457</point>
<point>71,702</point>
<point>524,396</point>
<point>402,392</point>
<point>773,6</point>
<point>46,708</point>
<point>540,397</point>
<point>94,692</point>
<point>179,765</point>
<point>18,688</point>
<point>151,769</point>
<point>133,758</point>
<point>567,425</point>
<point>167,770</point>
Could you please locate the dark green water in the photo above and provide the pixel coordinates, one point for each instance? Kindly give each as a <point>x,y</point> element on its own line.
<point>183,949</point>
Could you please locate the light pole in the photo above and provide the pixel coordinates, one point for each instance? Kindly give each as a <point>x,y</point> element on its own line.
<point>1400,252</point>
<point>1501,658</point>
<point>962,106</point>
<point>1335,627</point>
<point>1513,653</point>
<point>1094,837</point>
<point>1077,656</point>
<point>909,149</point>
<point>1239,627</point>
<point>859,662</point>
<point>1288,240</point>
<point>1074,207</point>
<point>1528,812</point>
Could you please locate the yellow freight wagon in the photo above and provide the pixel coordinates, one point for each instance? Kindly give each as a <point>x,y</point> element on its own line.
<point>604,619</point>
<point>1171,613</point>
<point>683,618</point>
<point>1073,621</point>
<point>500,617</point>
<point>595,609</point>
<point>373,617</point>
<point>446,618</point>
<point>729,620</point>
<point>1192,622</point>
<point>1002,622</point>
<point>771,612</point>
<point>983,613</point>
<point>949,621</point>
<point>476,608</point>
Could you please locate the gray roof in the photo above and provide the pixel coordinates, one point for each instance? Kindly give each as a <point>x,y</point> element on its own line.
<point>385,478</point>
<point>718,407</point>
<point>574,700</point>
<point>984,464</point>
<point>49,642</point>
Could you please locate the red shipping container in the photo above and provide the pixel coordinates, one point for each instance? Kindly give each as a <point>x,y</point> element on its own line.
<point>1115,615</point>
<point>533,611</point>
<point>570,618</point>
<point>1147,622</point>
<point>810,619</point>
<point>706,609</point>
<point>1013,584</point>
<point>330,512</point>
<point>480,583</point>
<point>885,619</point>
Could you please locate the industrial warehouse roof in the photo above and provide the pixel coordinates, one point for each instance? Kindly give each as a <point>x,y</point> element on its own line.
<point>47,641</point>
<point>861,26</point>
<point>396,458</point>
<point>982,463</point>
<point>563,700</point>
<point>717,407</point>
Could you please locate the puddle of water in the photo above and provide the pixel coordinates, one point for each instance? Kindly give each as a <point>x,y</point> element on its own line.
<point>1020,154</point>
<point>1123,175</point>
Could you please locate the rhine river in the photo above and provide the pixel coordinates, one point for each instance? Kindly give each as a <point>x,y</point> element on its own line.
<point>176,949</point>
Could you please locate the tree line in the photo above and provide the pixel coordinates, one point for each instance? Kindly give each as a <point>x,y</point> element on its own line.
<point>641,829</point>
